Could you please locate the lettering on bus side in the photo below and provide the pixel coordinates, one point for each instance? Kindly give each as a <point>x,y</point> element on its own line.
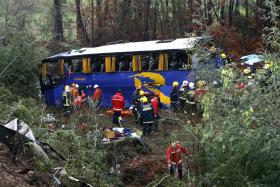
<point>80,79</point>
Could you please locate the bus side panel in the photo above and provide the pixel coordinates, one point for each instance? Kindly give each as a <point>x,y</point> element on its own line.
<point>153,82</point>
<point>48,94</point>
<point>57,95</point>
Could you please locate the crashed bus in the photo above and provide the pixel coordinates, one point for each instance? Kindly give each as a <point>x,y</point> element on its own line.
<point>154,65</point>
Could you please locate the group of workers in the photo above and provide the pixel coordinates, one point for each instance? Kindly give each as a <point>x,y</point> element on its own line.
<point>145,108</point>
<point>75,97</point>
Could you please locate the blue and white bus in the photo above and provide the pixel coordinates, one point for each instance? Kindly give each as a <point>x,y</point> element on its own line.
<point>154,65</point>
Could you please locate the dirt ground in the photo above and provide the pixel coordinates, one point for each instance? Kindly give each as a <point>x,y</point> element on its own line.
<point>139,168</point>
<point>15,173</point>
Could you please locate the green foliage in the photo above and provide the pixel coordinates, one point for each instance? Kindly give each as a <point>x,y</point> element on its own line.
<point>241,135</point>
<point>19,65</point>
<point>85,160</point>
<point>273,36</point>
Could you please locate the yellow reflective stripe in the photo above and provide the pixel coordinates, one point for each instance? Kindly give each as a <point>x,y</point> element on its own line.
<point>161,62</point>
<point>107,64</point>
<point>139,63</point>
<point>44,71</point>
<point>61,63</point>
<point>113,64</point>
<point>86,65</point>
<point>134,63</point>
<point>165,61</point>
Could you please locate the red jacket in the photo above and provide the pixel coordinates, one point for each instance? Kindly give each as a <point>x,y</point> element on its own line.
<point>241,86</point>
<point>174,154</point>
<point>118,102</point>
<point>155,105</point>
<point>200,92</point>
<point>97,94</point>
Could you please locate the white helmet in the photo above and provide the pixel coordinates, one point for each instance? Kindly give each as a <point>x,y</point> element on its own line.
<point>77,86</point>
<point>95,86</point>
<point>185,83</point>
<point>191,85</point>
<point>215,82</point>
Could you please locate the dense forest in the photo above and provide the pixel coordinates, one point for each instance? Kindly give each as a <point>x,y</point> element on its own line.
<point>236,143</point>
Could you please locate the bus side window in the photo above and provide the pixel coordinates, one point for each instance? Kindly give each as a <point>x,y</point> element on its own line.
<point>176,63</point>
<point>101,64</point>
<point>153,65</point>
<point>145,64</point>
<point>124,64</point>
<point>53,72</point>
<point>94,66</point>
<point>77,65</point>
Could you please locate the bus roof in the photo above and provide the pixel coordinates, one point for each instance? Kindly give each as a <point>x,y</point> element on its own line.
<point>132,47</point>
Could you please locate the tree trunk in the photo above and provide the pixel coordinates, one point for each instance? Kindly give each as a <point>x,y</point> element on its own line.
<point>92,23</point>
<point>230,10</point>
<point>58,29</point>
<point>155,21</point>
<point>209,12</point>
<point>222,12</point>
<point>147,16</point>
<point>82,35</point>
<point>237,9</point>
<point>247,9</point>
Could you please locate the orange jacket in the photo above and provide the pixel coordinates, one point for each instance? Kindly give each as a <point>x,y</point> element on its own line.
<point>97,95</point>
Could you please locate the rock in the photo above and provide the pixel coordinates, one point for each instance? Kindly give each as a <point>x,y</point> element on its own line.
<point>30,173</point>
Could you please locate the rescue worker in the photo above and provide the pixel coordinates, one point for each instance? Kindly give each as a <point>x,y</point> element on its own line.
<point>183,91</point>
<point>75,91</point>
<point>189,98</point>
<point>225,58</point>
<point>174,159</point>
<point>66,100</point>
<point>155,106</point>
<point>135,102</point>
<point>247,73</point>
<point>147,115</point>
<point>201,89</point>
<point>174,96</point>
<point>135,96</point>
<point>78,101</point>
<point>227,76</point>
<point>118,104</point>
<point>97,95</point>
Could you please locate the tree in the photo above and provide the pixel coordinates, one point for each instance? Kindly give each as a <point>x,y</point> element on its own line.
<point>58,29</point>
<point>82,34</point>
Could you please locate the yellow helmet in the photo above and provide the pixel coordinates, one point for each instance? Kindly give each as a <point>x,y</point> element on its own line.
<point>267,66</point>
<point>212,49</point>
<point>67,88</point>
<point>201,83</point>
<point>246,71</point>
<point>144,99</point>
<point>223,55</point>
<point>175,83</point>
<point>141,92</point>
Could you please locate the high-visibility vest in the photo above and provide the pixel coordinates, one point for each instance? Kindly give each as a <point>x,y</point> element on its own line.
<point>66,99</point>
